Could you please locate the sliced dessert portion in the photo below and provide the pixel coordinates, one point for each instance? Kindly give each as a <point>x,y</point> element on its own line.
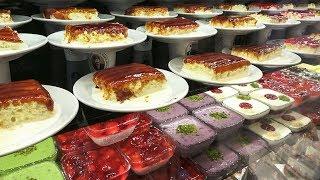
<point>71,13</point>
<point>258,53</point>
<point>246,106</point>
<point>24,101</point>
<point>225,122</point>
<point>233,7</point>
<point>221,93</point>
<point>5,16</point>
<point>147,151</point>
<point>275,100</point>
<point>10,40</point>
<point>304,44</point>
<point>216,66</point>
<point>270,18</point>
<point>217,161</point>
<point>245,89</point>
<point>129,81</point>
<point>43,151</point>
<point>191,135</point>
<point>95,33</point>
<point>265,6</point>
<point>196,101</point>
<point>103,163</point>
<point>167,113</point>
<point>144,122</point>
<point>293,120</point>
<point>223,21</point>
<point>193,8</point>
<point>288,6</point>
<point>175,26</point>
<point>299,14</point>
<point>150,11</point>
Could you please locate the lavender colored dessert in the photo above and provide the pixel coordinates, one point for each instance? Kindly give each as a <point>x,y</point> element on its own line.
<point>217,161</point>
<point>167,113</point>
<point>191,135</point>
<point>222,120</point>
<point>248,145</point>
<point>197,101</point>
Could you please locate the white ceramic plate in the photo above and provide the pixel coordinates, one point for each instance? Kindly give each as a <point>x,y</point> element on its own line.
<point>175,65</point>
<point>287,58</point>
<point>65,106</point>
<point>304,54</point>
<point>121,14</point>
<point>18,21</point>
<point>202,32</point>
<point>33,41</point>
<point>103,18</point>
<point>177,88</point>
<point>134,37</point>
<point>309,21</point>
<point>289,23</point>
<point>215,12</point>
<point>242,13</point>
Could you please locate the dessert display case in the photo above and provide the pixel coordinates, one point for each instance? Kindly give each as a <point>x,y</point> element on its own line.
<point>242,104</point>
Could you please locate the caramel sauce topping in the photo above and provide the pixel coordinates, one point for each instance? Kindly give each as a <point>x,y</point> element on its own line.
<point>62,13</point>
<point>191,8</point>
<point>5,11</point>
<point>304,40</point>
<point>7,34</point>
<point>259,49</point>
<point>175,22</point>
<point>232,19</point>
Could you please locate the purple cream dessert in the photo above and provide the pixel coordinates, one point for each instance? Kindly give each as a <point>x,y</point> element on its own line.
<point>217,161</point>
<point>167,113</point>
<point>196,101</point>
<point>191,135</point>
<point>248,145</point>
<point>222,120</point>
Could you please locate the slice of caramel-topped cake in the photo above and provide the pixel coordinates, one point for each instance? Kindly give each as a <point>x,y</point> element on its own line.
<point>216,66</point>
<point>299,14</point>
<point>174,26</point>
<point>265,5</point>
<point>193,8</point>
<point>233,7</point>
<point>96,33</point>
<point>5,16</point>
<point>304,44</point>
<point>124,82</point>
<point>233,21</point>
<point>9,39</point>
<point>71,13</point>
<point>24,101</point>
<point>147,11</point>
<point>262,52</point>
<point>270,18</point>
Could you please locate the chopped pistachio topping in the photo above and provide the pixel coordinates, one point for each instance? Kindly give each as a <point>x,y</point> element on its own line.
<point>163,109</point>
<point>26,151</point>
<point>214,154</point>
<point>187,129</point>
<point>195,98</point>
<point>244,140</point>
<point>243,97</point>
<point>219,115</point>
<point>254,85</point>
<point>284,98</point>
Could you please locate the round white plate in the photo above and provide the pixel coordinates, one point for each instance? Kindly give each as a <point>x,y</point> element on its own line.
<point>121,14</point>
<point>134,37</point>
<point>103,18</point>
<point>177,88</point>
<point>287,58</point>
<point>175,65</point>
<point>33,41</point>
<point>240,13</point>
<point>65,106</point>
<point>215,12</point>
<point>18,21</point>
<point>310,21</point>
<point>304,54</point>
<point>202,32</point>
<point>289,23</point>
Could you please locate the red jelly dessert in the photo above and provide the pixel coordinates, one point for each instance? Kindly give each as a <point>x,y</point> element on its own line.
<point>271,96</point>
<point>245,105</point>
<point>104,163</point>
<point>147,151</point>
<point>288,117</point>
<point>144,122</point>
<point>113,130</point>
<point>77,140</point>
<point>216,90</point>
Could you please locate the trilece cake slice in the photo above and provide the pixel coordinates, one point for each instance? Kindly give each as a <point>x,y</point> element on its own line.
<point>304,44</point>
<point>270,18</point>
<point>223,21</point>
<point>24,101</point>
<point>193,8</point>
<point>128,81</point>
<point>150,11</point>
<point>5,16</point>
<point>95,33</point>
<point>71,13</point>
<point>9,40</point>
<point>233,7</point>
<point>176,26</point>
<point>216,66</point>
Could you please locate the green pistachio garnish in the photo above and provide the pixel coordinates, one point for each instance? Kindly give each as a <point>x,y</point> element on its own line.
<point>187,129</point>
<point>163,109</point>
<point>244,140</point>
<point>214,154</point>
<point>284,98</point>
<point>26,151</point>
<point>243,97</point>
<point>254,85</point>
<point>195,98</point>
<point>219,115</point>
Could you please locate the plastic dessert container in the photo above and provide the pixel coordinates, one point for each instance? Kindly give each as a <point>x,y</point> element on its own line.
<point>246,106</point>
<point>147,151</point>
<point>103,163</point>
<point>221,93</point>
<point>249,146</point>
<point>222,120</point>
<point>196,101</point>
<point>246,89</point>
<point>293,120</point>
<point>76,140</point>
<point>45,170</point>
<point>217,161</point>
<point>167,113</point>
<point>113,130</point>
<point>42,151</point>
<point>144,122</point>
<point>190,134</point>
